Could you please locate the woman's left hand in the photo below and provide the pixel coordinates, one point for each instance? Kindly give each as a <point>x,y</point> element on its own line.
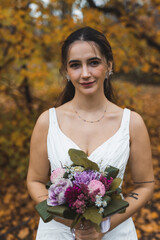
<point>88,233</point>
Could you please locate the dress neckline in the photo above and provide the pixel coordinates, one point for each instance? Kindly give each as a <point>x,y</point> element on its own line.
<point>96,149</point>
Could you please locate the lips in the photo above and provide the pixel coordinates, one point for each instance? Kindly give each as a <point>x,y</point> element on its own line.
<point>87,83</point>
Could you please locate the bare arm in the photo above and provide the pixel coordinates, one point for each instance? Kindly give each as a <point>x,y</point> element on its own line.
<point>38,170</point>
<point>38,165</point>
<point>140,163</point>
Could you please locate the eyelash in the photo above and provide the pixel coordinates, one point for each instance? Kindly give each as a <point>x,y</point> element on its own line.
<point>92,63</point>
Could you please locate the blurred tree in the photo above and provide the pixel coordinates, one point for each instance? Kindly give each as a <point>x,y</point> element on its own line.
<point>30,40</point>
<point>31,34</point>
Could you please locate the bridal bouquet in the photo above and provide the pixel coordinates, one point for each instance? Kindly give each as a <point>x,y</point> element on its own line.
<point>81,191</point>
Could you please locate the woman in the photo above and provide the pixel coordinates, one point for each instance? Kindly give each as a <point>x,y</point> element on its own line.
<point>87,119</point>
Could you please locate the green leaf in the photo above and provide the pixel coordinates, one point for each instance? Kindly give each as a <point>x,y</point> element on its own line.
<point>92,214</point>
<point>115,184</point>
<point>42,211</point>
<point>111,172</point>
<point>118,190</point>
<point>110,192</point>
<point>77,220</point>
<point>107,198</point>
<point>65,175</point>
<point>115,206</point>
<point>62,211</point>
<point>88,164</point>
<point>76,155</point>
<point>116,196</point>
<point>79,158</point>
<point>48,184</point>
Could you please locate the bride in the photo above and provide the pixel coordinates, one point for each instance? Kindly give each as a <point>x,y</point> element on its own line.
<point>87,119</point>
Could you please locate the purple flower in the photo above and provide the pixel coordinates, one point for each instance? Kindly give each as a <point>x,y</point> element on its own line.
<point>85,177</point>
<point>72,194</point>
<point>57,192</point>
<point>107,182</point>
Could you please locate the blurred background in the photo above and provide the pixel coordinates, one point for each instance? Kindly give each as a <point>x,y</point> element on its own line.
<point>31,35</point>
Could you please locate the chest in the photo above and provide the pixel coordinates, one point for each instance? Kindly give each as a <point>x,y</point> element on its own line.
<point>89,136</point>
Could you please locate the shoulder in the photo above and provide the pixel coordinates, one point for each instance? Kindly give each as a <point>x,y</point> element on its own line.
<point>43,120</point>
<point>42,125</point>
<point>137,125</point>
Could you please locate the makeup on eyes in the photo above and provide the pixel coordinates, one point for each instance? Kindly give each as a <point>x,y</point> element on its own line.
<point>73,63</point>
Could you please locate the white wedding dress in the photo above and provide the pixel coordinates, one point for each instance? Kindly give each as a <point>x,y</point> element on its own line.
<point>115,151</point>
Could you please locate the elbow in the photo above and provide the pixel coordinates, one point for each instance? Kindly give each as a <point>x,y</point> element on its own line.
<point>150,191</point>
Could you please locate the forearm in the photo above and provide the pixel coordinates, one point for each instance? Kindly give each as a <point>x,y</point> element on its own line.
<point>135,203</point>
<point>37,191</point>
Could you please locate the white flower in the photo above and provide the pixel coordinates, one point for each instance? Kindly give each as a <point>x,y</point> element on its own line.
<point>104,203</point>
<point>98,201</point>
<point>98,204</point>
<point>98,198</point>
<point>101,210</point>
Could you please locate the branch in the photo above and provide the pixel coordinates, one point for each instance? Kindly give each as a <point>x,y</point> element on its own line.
<point>111,10</point>
<point>149,40</point>
<point>6,63</point>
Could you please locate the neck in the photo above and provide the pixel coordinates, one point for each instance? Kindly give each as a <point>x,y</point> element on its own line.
<point>90,103</point>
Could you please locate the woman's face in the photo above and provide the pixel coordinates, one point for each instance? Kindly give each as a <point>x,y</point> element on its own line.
<point>86,67</point>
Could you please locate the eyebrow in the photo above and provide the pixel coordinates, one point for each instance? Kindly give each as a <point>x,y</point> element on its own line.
<point>90,59</point>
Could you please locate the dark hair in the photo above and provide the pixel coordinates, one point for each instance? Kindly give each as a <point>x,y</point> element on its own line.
<point>92,35</point>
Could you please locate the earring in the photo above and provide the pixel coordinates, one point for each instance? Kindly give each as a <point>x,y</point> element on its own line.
<point>68,79</point>
<point>110,72</point>
<point>106,77</point>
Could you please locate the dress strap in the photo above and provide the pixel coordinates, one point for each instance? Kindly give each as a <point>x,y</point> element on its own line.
<point>126,119</point>
<point>52,117</point>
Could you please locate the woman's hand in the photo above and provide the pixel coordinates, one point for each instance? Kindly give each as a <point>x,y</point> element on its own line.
<point>86,231</point>
<point>86,234</point>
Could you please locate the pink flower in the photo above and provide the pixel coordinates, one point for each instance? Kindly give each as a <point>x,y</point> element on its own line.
<point>58,173</point>
<point>95,185</point>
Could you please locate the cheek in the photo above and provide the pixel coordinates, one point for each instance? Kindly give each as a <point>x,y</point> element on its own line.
<point>74,74</point>
<point>100,72</point>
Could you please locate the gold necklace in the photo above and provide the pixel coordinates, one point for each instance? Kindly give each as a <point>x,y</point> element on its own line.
<point>84,120</point>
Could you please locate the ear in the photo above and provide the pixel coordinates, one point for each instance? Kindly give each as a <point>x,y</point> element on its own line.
<point>110,65</point>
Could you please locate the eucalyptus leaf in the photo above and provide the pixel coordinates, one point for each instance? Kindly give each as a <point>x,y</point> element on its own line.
<point>48,184</point>
<point>76,220</point>
<point>110,192</point>
<point>114,207</point>
<point>115,184</point>
<point>76,155</point>
<point>79,158</point>
<point>92,214</point>
<point>111,171</point>
<point>62,211</point>
<point>118,190</point>
<point>116,196</point>
<point>65,175</point>
<point>107,198</point>
<point>88,164</point>
<point>42,211</point>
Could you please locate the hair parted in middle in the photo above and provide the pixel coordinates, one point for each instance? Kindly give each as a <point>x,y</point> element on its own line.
<point>87,34</point>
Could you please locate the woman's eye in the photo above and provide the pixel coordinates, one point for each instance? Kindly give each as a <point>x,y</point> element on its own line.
<point>94,63</point>
<point>74,65</point>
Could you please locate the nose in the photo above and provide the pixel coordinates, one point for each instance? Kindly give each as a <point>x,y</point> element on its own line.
<point>85,72</point>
